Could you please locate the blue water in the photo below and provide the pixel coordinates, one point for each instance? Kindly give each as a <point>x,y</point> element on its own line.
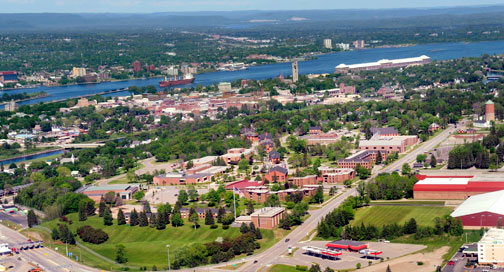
<point>323,64</point>
<point>32,157</point>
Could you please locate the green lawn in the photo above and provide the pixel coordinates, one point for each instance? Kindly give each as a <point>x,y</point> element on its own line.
<point>283,268</point>
<point>147,246</point>
<point>381,215</point>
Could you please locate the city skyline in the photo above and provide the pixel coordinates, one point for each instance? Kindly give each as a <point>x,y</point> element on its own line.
<point>150,6</point>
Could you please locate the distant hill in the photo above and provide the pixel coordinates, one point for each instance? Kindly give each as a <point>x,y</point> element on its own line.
<point>90,21</point>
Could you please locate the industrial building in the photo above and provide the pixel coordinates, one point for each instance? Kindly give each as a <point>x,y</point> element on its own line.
<point>388,144</point>
<point>479,211</point>
<point>455,187</point>
<point>383,64</point>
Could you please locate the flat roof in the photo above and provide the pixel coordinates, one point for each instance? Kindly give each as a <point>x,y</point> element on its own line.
<point>110,187</point>
<point>268,211</point>
<point>493,236</point>
<point>445,181</point>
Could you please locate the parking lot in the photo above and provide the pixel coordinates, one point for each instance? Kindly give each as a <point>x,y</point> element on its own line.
<point>349,260</point>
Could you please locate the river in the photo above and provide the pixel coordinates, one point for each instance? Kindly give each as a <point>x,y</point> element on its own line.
<point>323,64</point>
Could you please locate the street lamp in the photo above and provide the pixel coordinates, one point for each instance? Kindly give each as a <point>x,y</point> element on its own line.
<point>168,247</point>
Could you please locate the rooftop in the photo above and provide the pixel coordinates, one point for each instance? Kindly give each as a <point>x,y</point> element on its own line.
<point>490,202</point>
<point>493,236</point>
<point>268,211</point>
<point>115,187</point>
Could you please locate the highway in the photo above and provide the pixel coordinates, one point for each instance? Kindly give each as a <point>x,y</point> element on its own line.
<point>45,258</point>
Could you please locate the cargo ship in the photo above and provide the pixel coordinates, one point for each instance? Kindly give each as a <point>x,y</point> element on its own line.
<point>186,79</point>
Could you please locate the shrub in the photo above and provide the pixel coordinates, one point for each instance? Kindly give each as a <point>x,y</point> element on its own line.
<point>419,263</point>
<point>301,267</point>
<point>90,235</point>
<point>214,226</point>
<point>225,226</point>
<point>358,265</point>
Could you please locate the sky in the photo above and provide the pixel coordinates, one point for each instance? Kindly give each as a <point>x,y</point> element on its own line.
<point>148,6</point>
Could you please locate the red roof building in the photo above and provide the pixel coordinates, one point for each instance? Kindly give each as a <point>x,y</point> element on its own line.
<point>242,184</point>
<point>455,187</point>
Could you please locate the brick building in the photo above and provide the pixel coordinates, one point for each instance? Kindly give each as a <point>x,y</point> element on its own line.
<point>388,144</point>
<point>302,181</point>
<point>274,157</point>
<point>234,155</point>
<point>267,218</point>
<point>455,187</point>
<point>124,191</point>
<point>386,131</point>
<point>277,174</point>
<point>336,175</point>
<point>365,158</point>
<point>181,178</point>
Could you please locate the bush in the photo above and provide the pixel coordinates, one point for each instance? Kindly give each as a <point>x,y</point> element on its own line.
<point>214,226</point>
<point>301,267</point>
<point>225,226</point>
<point>358,265</point>
<point>90,235</point>
<point>419,263</point>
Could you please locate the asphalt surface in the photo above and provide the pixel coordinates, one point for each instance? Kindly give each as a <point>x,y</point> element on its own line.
<point>44,257</point>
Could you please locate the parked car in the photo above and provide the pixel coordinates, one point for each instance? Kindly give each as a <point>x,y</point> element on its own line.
<point>450,263</point>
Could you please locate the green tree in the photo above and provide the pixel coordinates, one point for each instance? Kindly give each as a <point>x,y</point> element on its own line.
<point>101,207</point>
<point>406,169</point>
<point>32,218</point>
<point>244,228</point>
<point>433,161</point>
<point>250,208</point>
<point>176,220</point>
<point>82,211</point>
<point>209,219</point>
<point>107,217</point>
<point>55,234</point>
<point>410,227</point>
<point>286,222</point>
<point>143,221</point>
<point>319,195</point>
<point>161,223</point>
<point>379,158</point>
<point>134,218</point>
<point>183,197</point>
<point>138,195</point>
<point>388,269</point>
<point>121,219</point>
<point>120,254</point>
<point>315,268</point>
<point>243,165</point>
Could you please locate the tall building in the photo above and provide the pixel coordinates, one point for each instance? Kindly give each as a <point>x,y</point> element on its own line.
<point>359,44</point>
<point>491,248</point>
<point>489,111</point>
<point>137,66</point>
<point>328,43</point>
<point>78,72</point>
<point>295,74</point>
<point>11,106</point>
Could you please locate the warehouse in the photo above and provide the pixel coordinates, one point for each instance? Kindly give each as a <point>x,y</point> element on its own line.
<point>455,187</point>
<point>480,211</point>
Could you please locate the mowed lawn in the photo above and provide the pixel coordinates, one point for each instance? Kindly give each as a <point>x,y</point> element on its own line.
<point>382,215</point>
<point>146,246</point>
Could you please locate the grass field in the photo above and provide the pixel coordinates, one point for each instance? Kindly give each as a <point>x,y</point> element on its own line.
<point>381,215</point>
<point>147,246</point>
<point>283,268</point>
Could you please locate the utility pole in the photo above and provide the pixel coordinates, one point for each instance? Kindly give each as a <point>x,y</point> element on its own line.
<point>234,203</point>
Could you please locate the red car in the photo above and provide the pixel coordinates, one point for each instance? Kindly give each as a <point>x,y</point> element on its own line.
<point>450,263</point>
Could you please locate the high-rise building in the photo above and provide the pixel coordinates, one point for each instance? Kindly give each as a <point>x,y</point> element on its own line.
<point>489,111</point>
<point>78,72</point>
<point>137,66</point>
<point>11,106</point>
<point>328,43</point>
<point>343,46</point>
<point>359,44</point>
<point>295,74</point>
<point>491,248</point>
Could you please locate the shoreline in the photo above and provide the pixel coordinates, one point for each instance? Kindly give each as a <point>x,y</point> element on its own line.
<point>31,154</point>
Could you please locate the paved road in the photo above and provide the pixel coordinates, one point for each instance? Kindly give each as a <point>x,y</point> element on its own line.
<point>46,258</point>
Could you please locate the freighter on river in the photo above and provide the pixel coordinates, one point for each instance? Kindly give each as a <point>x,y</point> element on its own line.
<point>187,79</point>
